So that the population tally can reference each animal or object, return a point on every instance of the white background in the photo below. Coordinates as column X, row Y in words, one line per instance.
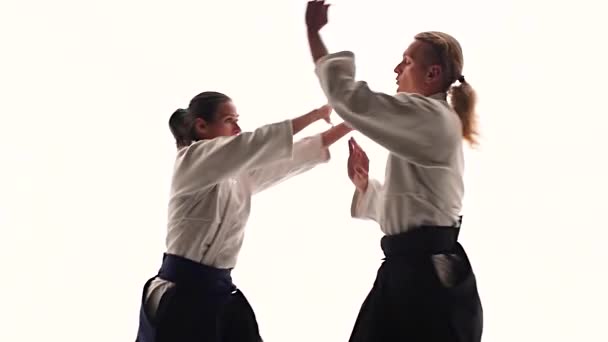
column 86, row 90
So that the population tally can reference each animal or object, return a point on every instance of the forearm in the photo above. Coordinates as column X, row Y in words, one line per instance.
column 303, row 121
column 307, row 153
column 317, row 47
column 334, row 134
column 211, row 161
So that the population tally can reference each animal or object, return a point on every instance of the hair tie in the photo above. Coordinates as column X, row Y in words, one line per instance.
column 461, row 79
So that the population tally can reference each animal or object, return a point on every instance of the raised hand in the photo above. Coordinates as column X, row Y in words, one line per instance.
column 324, row 113
column 316, row 15
column 358, row 165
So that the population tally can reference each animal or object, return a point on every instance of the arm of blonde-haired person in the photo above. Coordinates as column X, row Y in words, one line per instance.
column 307, row 153
column 408, row 125
column 208, row 162
column 365, row 202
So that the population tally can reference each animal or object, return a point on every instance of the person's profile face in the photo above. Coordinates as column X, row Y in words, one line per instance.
column 225, row 122
column 415, row 72
column 409, row 71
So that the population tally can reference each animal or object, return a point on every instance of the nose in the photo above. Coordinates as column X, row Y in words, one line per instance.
column 237, row 129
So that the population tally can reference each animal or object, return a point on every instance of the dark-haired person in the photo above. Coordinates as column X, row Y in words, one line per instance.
column 217, row 170
column 425, row 289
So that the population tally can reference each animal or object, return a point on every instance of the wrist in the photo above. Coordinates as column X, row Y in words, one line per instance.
column 313, row 116
column 312, row 30
column 363, row 187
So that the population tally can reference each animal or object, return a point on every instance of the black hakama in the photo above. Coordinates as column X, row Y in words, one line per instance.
column 408, row 301
column 203, row 305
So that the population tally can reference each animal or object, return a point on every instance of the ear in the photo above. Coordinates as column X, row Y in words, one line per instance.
column 433, row 73
column 200, row 128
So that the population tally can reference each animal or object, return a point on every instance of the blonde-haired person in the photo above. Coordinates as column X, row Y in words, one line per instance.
column 425, row 289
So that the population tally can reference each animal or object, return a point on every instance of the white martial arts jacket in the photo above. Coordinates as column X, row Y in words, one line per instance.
column 213, row 183
column 424, row 172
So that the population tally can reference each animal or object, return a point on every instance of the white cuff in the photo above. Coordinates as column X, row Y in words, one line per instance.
column 363, row 206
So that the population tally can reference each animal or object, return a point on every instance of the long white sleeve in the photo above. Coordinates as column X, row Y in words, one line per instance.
column 367, row 205
column 208, row 162
column 409, row 125
column 307, row 153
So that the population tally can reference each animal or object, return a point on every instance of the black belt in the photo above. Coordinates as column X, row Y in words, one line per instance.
column 421, row 240
column 185, row 272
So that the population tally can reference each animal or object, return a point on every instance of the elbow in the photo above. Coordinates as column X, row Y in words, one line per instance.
column 356, row 98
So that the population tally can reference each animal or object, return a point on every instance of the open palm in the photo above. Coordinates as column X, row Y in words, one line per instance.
column 358, row 165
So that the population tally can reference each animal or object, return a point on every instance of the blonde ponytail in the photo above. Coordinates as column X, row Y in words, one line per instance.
column 463, row 99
